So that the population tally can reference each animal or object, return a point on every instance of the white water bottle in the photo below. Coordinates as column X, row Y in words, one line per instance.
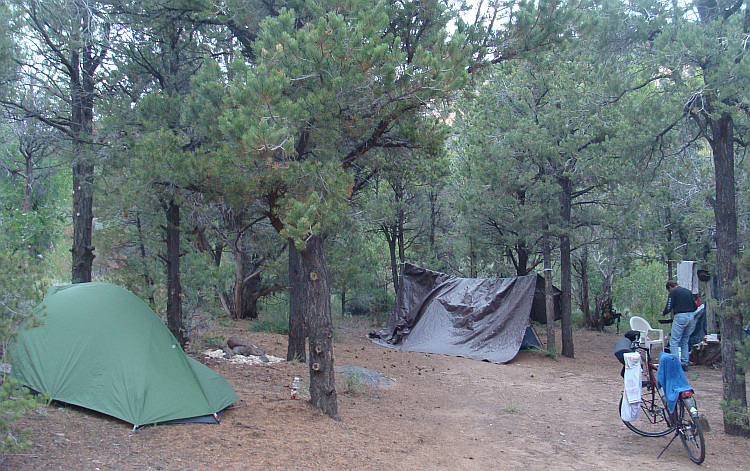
column 295, row 388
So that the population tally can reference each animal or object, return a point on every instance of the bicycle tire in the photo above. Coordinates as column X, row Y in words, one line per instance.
column 690, row 430
column 653, row 420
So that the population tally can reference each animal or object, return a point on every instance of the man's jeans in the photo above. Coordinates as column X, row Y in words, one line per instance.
column 682, row 328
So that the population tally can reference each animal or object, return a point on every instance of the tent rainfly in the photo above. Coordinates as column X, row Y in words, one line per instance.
column 482, row 319
column 100, row 347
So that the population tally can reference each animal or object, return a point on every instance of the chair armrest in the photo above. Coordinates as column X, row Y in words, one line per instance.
column 659, row 332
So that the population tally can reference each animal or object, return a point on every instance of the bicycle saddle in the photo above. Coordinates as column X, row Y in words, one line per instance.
column 632, row 335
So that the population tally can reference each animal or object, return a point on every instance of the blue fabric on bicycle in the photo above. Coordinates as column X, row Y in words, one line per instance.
column 671, row 379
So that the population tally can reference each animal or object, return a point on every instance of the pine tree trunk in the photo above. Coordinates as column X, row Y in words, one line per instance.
column 297, row 311
column 725, row 211
column 400, row 237
column 250, row 295
column 82, row 65
column 28, row 187
column 147, row 280
column 565, row 275
column 242, row 300
column 602, row 301
column 343, row 301
column 83, row 221
column 583, row 272
column 174, row 286
column 522, row 263
column 434, row 217
column 712, row 324
column 390, row 237
column 237, row 288
column 566, row 286
column 314, row 284
column 548, row 297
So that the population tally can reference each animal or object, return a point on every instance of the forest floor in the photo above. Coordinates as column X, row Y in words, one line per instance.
column 443, row 413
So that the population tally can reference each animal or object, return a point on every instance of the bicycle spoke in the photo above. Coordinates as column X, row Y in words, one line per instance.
column 690, row 431
column 653, row 420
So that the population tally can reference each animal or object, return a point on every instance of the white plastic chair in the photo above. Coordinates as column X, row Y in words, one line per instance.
column 647, row 339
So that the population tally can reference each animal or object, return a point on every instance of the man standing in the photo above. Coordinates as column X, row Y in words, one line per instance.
column 681, row 302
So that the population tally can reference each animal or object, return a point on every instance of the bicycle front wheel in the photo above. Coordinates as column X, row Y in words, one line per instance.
column 689, row 429
column 653, row 418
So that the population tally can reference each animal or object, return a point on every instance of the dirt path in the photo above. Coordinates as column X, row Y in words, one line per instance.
column 444, row 413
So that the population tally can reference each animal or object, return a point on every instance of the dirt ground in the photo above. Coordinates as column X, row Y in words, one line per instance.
column 444, row 413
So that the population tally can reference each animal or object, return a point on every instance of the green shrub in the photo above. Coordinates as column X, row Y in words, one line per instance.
column 274, row 322
column 210, row 343
column 353, row 385
column 641, row 292
column 14, row 401
column 21, row 287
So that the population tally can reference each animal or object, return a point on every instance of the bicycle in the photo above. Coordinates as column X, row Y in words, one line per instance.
column 655, row 420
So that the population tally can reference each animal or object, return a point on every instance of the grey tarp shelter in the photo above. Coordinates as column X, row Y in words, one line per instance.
column 100, row 347
column 477, row 318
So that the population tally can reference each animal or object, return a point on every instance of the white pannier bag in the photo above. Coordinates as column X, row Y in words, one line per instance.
column 631, row 404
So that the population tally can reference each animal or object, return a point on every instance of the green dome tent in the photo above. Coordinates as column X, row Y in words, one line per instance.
column 100, row 347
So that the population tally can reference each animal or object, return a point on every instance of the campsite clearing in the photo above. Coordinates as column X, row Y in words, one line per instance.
column 443, row 413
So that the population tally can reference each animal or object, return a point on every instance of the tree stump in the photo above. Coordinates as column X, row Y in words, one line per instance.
column 706, row 353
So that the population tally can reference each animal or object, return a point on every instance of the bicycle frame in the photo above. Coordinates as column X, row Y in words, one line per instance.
column 653, row 385
column 653, row 406
column 651, row 371
column 657, row 420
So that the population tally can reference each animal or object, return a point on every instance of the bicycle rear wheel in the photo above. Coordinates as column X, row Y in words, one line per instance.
column 689, row 429
column 653, row 419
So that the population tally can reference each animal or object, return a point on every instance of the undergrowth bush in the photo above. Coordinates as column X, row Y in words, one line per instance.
column 641, row 292
column 21, row 287
column 273, row 317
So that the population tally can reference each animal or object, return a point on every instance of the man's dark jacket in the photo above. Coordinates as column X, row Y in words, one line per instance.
column 680, row 300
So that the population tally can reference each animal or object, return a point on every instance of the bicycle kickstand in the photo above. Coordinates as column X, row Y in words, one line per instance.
column 670, row 442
